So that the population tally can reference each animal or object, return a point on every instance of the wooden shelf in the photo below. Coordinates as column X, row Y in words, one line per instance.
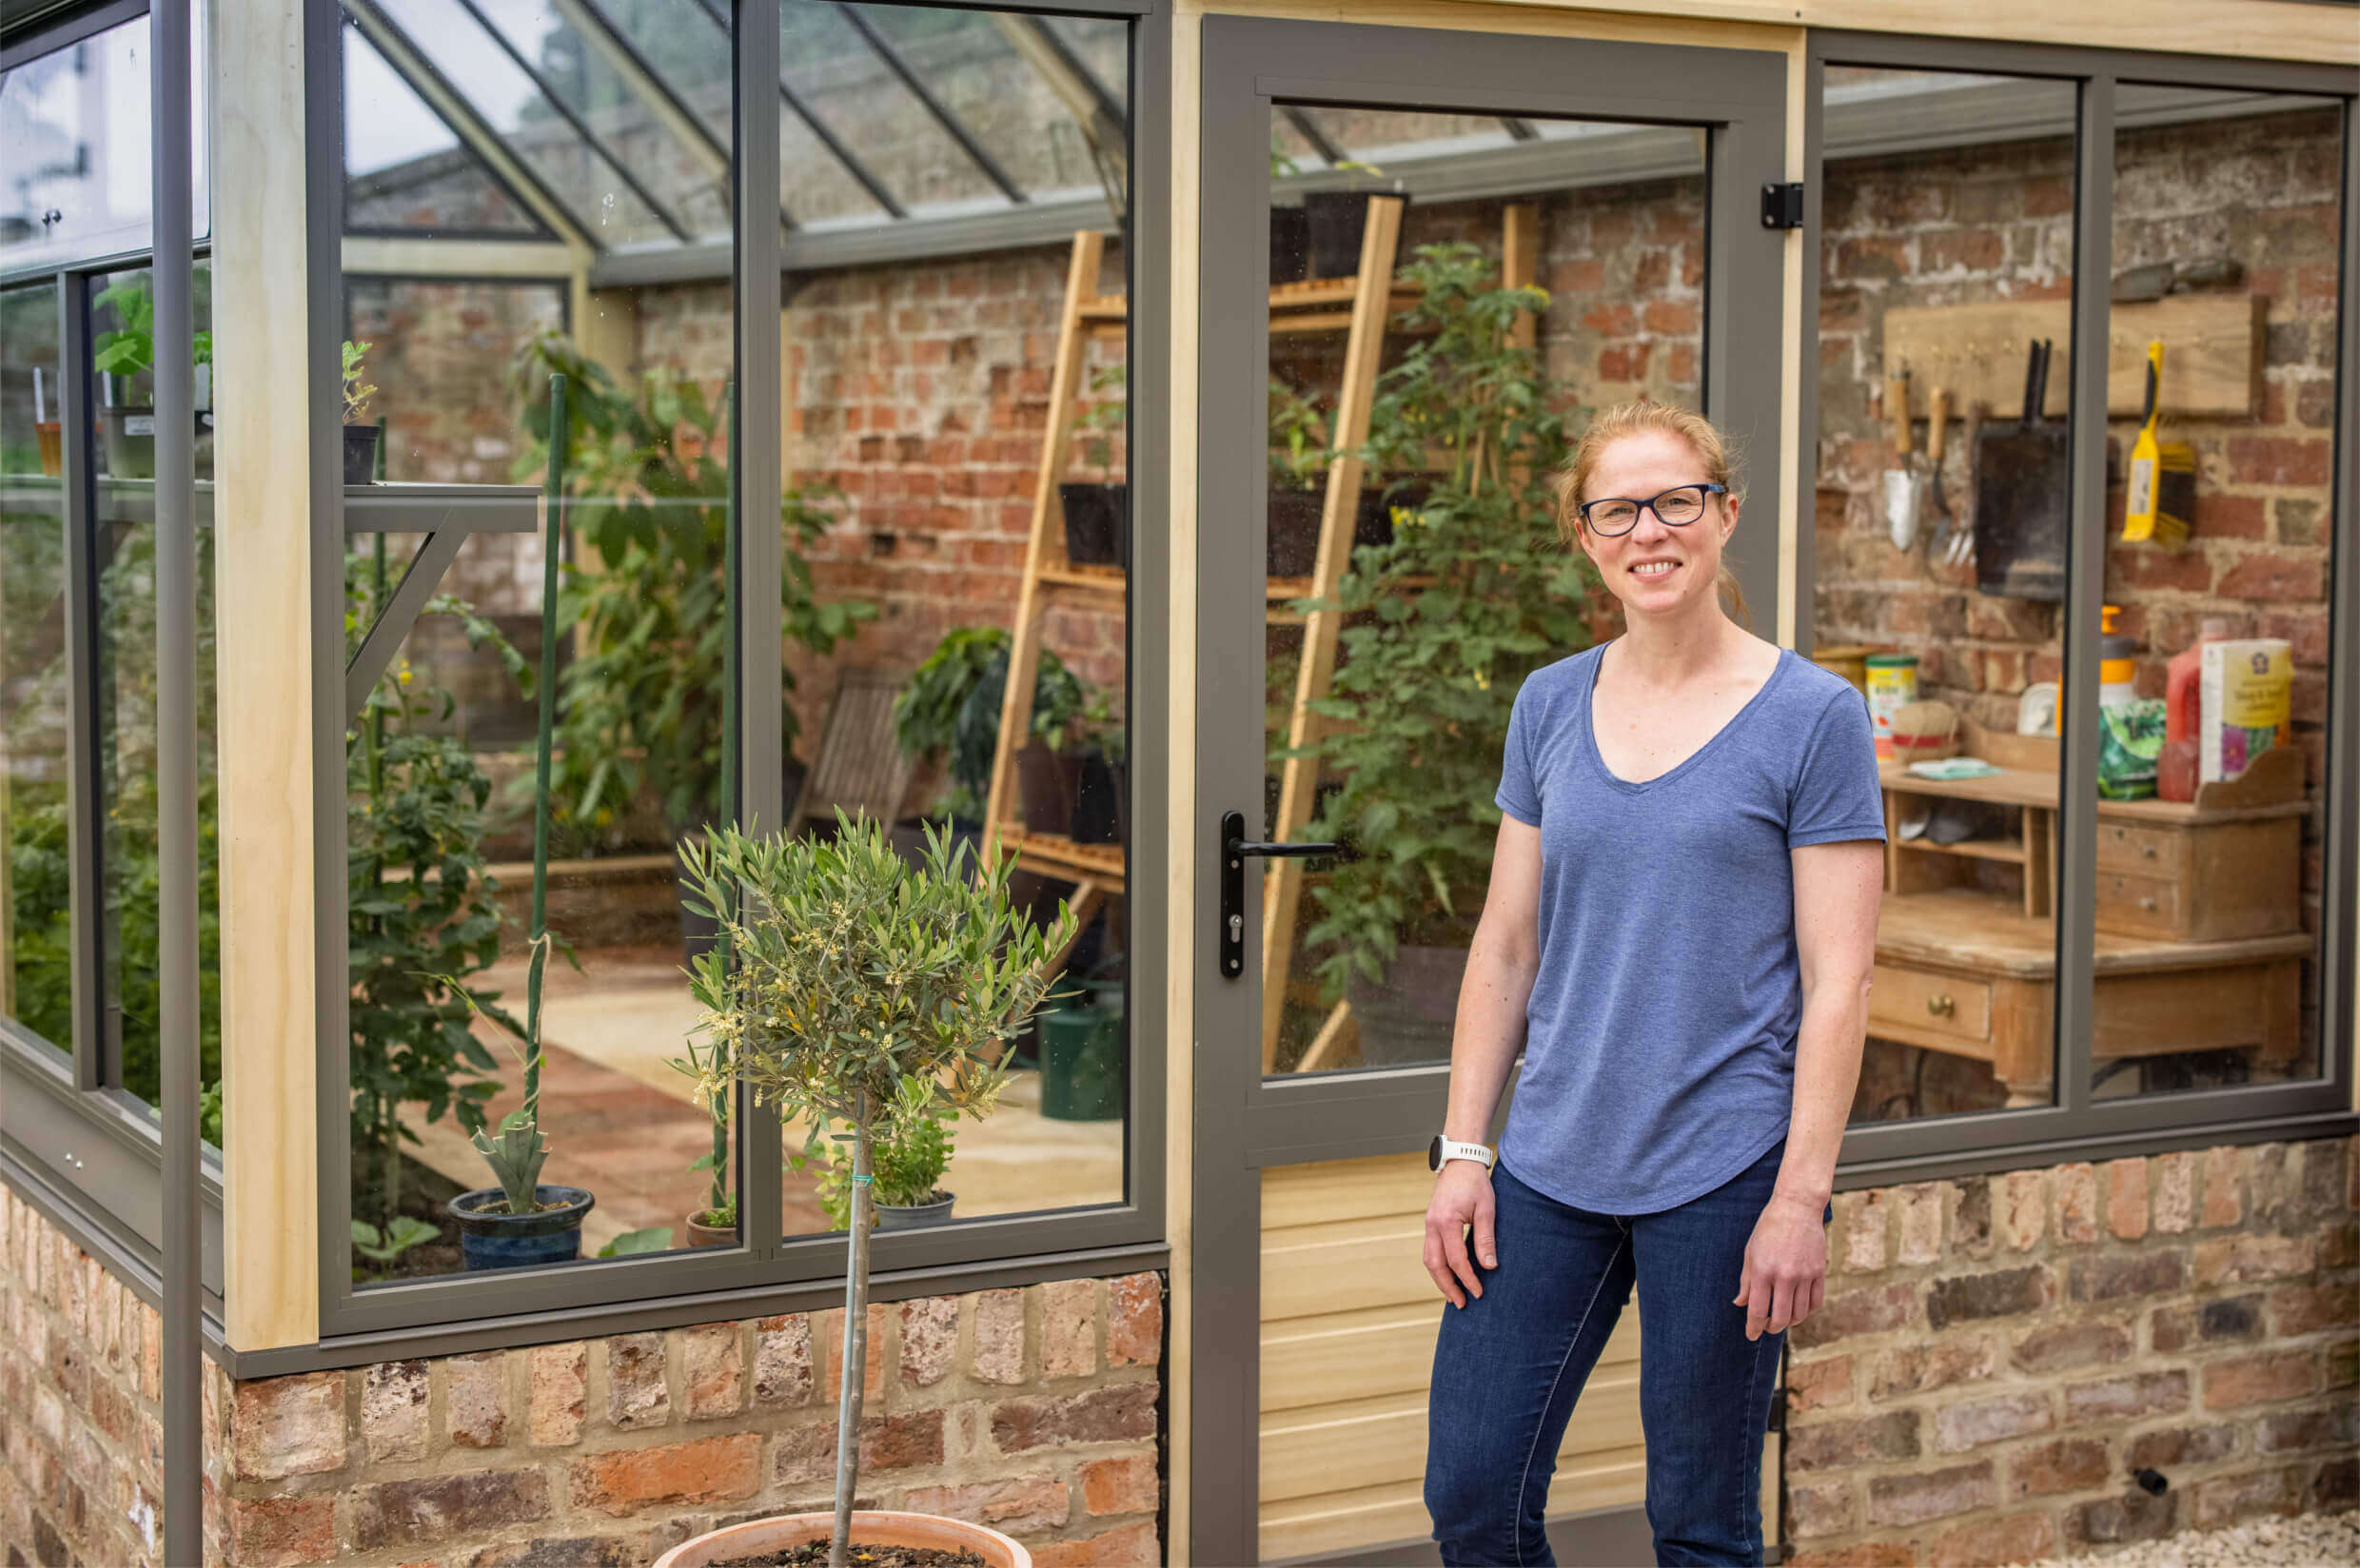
column 1973, row 848
column 1054, row 854
column 1957, row 927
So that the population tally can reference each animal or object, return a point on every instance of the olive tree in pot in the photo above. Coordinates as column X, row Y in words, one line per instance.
column 1442, row 624
column 863, row 991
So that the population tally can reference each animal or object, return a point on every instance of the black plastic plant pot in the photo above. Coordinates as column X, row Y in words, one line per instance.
column 1046, row 786
column 1290, row 245
column 915, row 1216
column 1294, row 545
column 1408, row 1016
column 1338, row 220
column 1097, row 524
column 360, row 454
column 1097, row 798
column 490, row 1237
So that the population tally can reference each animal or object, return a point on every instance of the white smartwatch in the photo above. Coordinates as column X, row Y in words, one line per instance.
column 1443, row 1150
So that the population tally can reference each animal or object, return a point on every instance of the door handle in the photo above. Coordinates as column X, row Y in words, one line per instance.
column 1235, row 846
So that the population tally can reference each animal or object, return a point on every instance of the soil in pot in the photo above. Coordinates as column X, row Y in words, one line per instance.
column 1046, row 782
column 701, row 1234
column 1407, row 1016
column 867, row 1556
column 1290, row 245
column 1097, row 524
column 360, row 454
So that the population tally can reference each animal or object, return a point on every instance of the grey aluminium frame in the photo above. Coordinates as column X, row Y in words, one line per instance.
column 1251, row 67
column 422, row 1315
column 2076, row 1125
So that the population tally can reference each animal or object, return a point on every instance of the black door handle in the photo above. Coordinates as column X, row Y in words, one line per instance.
column 1235, row 846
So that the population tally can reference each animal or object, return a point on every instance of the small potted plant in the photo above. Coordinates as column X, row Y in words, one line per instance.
column 1097, row 516
column 524, row 1222
column 861, row 993
column 1049, row 767
column 1101, row 779
column 360, row 437
column 912, row 1150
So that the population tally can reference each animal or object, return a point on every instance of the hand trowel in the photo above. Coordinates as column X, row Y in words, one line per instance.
column 1903, row 484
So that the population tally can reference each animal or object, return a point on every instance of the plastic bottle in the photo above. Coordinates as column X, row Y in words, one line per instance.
column 2176, row 769
column 2117, row 662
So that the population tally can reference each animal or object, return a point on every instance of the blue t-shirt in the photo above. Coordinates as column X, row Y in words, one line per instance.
column 1659, row 1057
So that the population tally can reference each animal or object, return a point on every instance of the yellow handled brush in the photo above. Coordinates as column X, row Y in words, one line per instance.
column 2162, row 498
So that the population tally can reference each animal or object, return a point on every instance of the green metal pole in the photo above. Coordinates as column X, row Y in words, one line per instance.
column 553, row 493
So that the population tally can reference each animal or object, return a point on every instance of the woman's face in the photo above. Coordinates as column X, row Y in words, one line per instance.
column 1655, row 569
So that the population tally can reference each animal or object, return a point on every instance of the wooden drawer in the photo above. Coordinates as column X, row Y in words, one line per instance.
column 2138, row 906
column 2140, row 851
column 1923, row 999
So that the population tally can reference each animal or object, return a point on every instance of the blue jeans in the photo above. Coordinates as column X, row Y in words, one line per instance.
column 1509, row 1365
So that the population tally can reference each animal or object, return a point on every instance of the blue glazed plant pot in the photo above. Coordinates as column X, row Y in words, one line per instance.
column 501, row 1239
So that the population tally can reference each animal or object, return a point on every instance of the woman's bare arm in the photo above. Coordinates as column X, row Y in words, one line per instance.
column 1500, row 969
column 1837, row 889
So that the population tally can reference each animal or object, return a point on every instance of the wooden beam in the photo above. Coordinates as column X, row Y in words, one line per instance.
column 426, row 257
column 264, row 566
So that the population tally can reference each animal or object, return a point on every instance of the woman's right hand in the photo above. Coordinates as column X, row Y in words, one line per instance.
column 1462, row 1201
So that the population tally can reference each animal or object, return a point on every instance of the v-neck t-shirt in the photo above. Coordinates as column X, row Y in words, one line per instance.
column 1660, row 1044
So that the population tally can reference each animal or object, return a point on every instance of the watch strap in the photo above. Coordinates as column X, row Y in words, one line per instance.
column 1448, row 1149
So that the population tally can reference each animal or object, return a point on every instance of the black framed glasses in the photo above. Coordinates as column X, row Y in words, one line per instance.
column 1614, row 516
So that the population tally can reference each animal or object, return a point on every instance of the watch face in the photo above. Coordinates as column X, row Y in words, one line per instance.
column 1434, row 1153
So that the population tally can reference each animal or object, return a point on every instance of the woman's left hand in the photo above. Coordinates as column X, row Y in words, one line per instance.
column 1785, row 1274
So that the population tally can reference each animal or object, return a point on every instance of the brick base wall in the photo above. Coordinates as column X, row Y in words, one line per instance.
column 1997, row 1357
column 1033, row 1410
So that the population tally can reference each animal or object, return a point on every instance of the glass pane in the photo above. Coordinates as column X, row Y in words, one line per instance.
column 2213, row 779
column 80, row 162
column 36, row 977
column 851, row 88
column 124, row 552
column 919, row 408
column 442, row 792
column 1038, row 127
column 589, row 83
column 1940, row 556
column 527, row 125
column 442, row 356
column 1362, row 961
column 405, row 169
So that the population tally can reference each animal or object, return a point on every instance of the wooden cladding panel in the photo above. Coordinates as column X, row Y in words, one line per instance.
column 2212, row 353
column 1348, row 1320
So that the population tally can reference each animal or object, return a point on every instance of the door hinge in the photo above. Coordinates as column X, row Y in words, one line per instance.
column 1781, row 205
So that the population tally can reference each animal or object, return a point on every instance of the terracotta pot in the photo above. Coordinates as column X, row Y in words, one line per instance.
column 701, row 1234
column 880, row 1528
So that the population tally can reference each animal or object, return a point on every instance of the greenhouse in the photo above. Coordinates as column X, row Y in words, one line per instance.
column 1146, row 414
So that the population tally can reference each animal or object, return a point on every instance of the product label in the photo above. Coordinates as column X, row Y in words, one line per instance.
column 139, row 424
column 2142, row 491
column 2256, row 691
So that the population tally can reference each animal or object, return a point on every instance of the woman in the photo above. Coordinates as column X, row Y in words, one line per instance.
column 1677, row 936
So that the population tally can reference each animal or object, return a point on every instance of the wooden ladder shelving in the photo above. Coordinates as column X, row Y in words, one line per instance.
column 1361, row 306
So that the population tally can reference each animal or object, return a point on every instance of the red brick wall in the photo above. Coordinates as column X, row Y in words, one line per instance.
column 1998, row 1357
column 1033, row 1410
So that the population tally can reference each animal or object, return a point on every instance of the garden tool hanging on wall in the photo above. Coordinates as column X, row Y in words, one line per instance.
column 1905, row 483
column 2162, row 492
column 1938, row 432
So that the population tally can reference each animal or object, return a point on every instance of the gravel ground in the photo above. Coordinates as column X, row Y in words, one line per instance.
column 2317, row 1539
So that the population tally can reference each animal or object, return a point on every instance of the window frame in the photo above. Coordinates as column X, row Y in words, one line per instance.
column 428, row 1311
column 2077, row 1124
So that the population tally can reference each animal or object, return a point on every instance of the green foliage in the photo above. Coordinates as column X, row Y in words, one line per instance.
column 646, row 591
column 651, row 1239
column 390, row 1242
column 1444, row 624
column 357, row 390
column 1298, row 451
column 424, row 911
column 131, row 346
column 516, row 1153
column 913, row 1149
column 857, row 975
column 952, row 703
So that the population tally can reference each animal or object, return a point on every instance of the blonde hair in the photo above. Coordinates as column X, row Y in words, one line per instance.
column 1636, row 417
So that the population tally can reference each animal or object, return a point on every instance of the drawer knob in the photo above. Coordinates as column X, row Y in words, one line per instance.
column 1941, row 1006
column 2148, row 849
column 2147, row 904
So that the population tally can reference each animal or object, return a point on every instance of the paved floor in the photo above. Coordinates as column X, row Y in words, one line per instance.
column 620, row 1120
